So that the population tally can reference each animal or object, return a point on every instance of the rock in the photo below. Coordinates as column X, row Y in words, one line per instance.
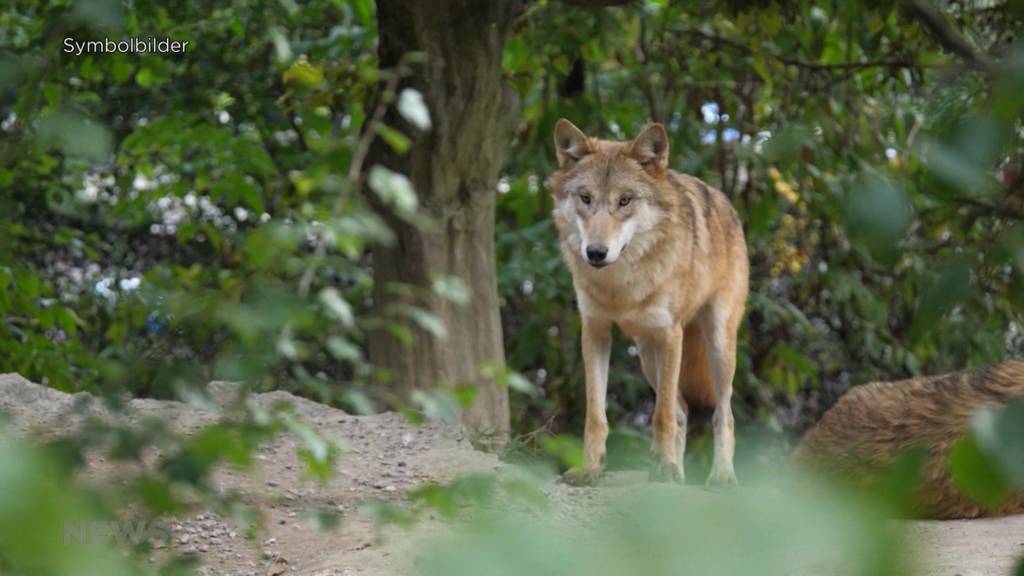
column 278, row 567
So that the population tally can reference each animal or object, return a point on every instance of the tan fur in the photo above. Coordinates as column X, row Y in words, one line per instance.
column 695, row 381
column 675, row 281
column 873, row 424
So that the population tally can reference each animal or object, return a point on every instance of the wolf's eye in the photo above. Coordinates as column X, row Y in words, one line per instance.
column 624, row 201
column 585, row 198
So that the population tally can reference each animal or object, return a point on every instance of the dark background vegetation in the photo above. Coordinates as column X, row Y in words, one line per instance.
column 291, row 200
column 163, row 214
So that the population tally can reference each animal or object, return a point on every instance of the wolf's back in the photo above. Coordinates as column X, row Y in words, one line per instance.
column 873, row 424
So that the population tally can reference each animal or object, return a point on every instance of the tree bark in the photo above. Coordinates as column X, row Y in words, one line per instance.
column 454, row 168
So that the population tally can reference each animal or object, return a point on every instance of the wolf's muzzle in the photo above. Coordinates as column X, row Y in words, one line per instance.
column 596, row 255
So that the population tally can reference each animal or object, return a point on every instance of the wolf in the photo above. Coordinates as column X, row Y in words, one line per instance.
column 663, row 256
column 873, row 424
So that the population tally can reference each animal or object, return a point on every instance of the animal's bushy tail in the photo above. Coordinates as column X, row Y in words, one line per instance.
column 695, row 381
column 873, row 424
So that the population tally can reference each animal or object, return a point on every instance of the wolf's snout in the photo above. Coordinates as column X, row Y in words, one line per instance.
column 596, row 255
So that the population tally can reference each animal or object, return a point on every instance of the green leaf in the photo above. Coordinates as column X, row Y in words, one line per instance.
column 566, row 449
column 145, row 77
column 157, row 495
column 323, row 520
column 399, row 142
column 440, row 404
column 336, row 305
column 787, row 143
column 939, row 295
column 282, row 48
column 302, row 72
column 317, row 452
column 102, row 14
column 999, row 434
column 451, row 288
column 386, row 513
column 364, row 9
column 977, row 474
column 878, row 213
column 413, row 108
column 357, row 401
column 394, row 189
column 75, row 135
column 342, row 349
column 426, row 320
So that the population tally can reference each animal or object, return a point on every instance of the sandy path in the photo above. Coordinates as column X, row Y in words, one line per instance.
column 983, row 547
column 384, row 457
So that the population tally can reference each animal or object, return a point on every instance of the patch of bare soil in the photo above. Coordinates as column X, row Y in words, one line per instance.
column 384, row 457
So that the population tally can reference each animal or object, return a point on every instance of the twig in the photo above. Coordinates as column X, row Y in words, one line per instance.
column 529, row 438
column 355, row 170
column 992, row 210
column 817, row 66
column 947, row 35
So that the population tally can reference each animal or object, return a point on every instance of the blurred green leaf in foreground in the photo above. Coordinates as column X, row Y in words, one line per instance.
column 791, row 527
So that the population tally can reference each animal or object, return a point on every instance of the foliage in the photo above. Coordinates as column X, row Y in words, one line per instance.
column 877, row 176
column 170, row 220
column 173, row 219
column 166, row 220
column 657, row 530
column 154, row 205
column 988, row 464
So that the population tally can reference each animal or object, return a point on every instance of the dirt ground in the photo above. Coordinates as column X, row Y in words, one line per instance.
column 383, row 458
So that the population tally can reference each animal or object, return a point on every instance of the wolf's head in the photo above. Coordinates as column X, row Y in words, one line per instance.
column 607, row 193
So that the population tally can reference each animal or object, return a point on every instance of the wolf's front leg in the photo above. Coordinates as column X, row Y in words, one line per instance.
column 667, row 464
column 597, row 348
column 720, row 333
column 649, row 365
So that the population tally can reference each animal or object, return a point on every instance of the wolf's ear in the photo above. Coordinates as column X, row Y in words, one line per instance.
column 571, row 144
column 650, row 147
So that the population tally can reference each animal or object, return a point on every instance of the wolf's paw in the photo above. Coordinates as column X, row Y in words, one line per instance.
column 582, row 476
column 721, row 478
column 663, row 471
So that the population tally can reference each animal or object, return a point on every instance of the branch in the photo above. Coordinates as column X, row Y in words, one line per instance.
column 947, row 35
column 355, row 172
column 997, row 211
column 820, row 66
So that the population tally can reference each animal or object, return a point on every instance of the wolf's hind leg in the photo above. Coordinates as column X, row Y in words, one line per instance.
column 719, row 330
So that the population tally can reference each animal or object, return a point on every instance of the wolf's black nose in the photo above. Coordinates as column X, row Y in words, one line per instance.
column 596, row 253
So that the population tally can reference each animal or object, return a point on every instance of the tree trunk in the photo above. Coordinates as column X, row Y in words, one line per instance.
column 454, row 168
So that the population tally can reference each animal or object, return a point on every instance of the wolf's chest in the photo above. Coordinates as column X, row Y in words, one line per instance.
column 630, row 314
column 645, row 320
